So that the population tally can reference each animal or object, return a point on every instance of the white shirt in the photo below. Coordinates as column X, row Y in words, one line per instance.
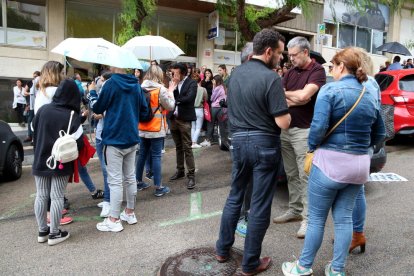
column 180, row 84
column 44, row 97
column 18, row 96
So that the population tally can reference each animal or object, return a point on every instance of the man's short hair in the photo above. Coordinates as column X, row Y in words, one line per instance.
column 266, row 38
column 396, row 59
column 181, row 66
column 246, row 52
column 300, row 42
column 410, row 59
column 37, row 73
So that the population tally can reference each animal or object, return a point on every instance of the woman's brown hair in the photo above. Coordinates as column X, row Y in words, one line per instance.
column 355, row 61
column 50, row 74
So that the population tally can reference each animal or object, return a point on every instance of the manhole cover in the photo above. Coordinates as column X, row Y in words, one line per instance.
column 200, row 261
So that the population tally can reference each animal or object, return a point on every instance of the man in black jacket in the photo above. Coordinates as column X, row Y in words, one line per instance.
column 185, row 91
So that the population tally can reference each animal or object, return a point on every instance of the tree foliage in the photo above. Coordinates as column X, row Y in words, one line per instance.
column 134, row 15
column 248, row 19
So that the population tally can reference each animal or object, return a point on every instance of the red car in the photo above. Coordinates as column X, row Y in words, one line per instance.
column 397, row 90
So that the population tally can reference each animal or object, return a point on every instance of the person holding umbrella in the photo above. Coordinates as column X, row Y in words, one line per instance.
column 396, row 65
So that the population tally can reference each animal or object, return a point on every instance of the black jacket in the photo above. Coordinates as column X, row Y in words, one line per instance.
column 49, row 120
column 184, row 101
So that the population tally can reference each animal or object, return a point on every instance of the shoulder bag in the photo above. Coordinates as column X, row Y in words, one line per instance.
column 309, row 155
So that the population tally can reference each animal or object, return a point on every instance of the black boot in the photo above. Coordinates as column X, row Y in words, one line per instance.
column 191, row 183
column 177, row 175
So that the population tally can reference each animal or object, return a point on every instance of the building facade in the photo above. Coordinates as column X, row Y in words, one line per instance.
column 29, row 29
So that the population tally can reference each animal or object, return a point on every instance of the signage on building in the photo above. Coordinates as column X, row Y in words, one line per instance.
column 372, row 16
column 321, row 29
column 224, row 57
column 213, row 22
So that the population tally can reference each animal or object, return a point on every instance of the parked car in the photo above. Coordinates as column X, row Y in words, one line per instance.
column 397, row 90
column 11, row 153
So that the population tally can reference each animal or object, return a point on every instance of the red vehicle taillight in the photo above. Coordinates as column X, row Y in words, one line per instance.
column 399, row 99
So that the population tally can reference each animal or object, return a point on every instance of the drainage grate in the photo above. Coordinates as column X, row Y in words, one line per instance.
column 200, row 261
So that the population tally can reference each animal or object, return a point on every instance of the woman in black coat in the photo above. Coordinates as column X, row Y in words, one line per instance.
column 51, row 183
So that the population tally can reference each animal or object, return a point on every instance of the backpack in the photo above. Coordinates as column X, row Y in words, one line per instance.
column 151, row 112
column 64, row 149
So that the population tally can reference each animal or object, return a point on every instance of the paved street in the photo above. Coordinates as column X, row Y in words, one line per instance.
column 185, row 219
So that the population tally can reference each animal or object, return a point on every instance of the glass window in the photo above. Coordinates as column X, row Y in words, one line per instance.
column 90, row 21
column 26, row 23
column 377, row 40
column 228, row 38
column 1, row 24
column 384, row 81
column 182, row 31
column 407, row 83
column 346, row 36
column 26, row 15
column 364, row 39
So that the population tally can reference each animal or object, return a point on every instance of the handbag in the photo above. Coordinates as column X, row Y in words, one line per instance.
column 207, row 114
column 309, row 155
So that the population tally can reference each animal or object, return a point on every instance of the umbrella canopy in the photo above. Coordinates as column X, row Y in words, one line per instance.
column 394, row 48
column 97, row 50
column 318, row 57
column 152, row 47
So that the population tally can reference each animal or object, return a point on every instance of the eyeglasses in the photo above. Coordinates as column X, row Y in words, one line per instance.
column 294, row 55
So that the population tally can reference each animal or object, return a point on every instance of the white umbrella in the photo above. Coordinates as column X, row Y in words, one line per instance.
column 97, row 50
column 152, row 47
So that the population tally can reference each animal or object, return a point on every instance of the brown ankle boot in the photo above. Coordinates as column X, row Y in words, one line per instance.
column 358, row 239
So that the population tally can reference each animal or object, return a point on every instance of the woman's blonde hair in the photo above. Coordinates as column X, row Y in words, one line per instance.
column 155, row 74
column 355, row 61
column 50, row 74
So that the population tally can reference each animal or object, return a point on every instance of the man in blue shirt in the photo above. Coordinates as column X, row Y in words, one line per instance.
column 395, row 64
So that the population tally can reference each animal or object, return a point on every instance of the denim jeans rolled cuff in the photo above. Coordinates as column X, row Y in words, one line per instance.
column 150, row 147
column 325, row 194
column 256, row 154
column 100, row 153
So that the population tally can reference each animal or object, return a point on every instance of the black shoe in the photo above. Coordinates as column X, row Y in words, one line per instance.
column 177, row 175
column 43, row 236
column 58, row 238
column 191, row 183
column 98, row 194
column 66, row 204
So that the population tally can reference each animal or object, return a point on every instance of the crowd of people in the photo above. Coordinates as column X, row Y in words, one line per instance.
column 397, row 65
column 276, row 115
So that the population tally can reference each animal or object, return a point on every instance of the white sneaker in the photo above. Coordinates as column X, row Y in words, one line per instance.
column 108, row 226
column 130, row 218
column 195, row 146
column 302, row 230
column 206, row 143
column 162, row 151
column 100, row 204
column 106, row 207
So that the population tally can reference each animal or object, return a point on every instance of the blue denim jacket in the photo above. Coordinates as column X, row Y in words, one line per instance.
column 360, row 130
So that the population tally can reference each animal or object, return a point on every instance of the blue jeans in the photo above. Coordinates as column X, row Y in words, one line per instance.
column 99, row 152
column 324, row 194
column 86, row 179
column 151, row 146
column 359, row 212
column 256, row 155
column 29, row 121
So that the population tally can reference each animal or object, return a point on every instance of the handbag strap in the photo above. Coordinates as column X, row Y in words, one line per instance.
column 344, row 117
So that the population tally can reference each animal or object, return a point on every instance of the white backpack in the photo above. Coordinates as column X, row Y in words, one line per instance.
column 64, row 149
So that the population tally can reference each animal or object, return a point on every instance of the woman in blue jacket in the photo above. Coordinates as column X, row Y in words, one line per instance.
column 341, row 162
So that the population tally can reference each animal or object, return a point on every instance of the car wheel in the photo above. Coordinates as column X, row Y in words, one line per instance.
column 220, row 140
column 13, row 165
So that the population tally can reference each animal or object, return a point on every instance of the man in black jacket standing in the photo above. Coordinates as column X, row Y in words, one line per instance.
column 185, row 91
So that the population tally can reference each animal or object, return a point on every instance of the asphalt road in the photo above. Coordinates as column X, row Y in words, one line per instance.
column 186, row 219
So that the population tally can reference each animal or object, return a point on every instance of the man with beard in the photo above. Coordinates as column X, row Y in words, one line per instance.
column 257, row 111
column 301, row 84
